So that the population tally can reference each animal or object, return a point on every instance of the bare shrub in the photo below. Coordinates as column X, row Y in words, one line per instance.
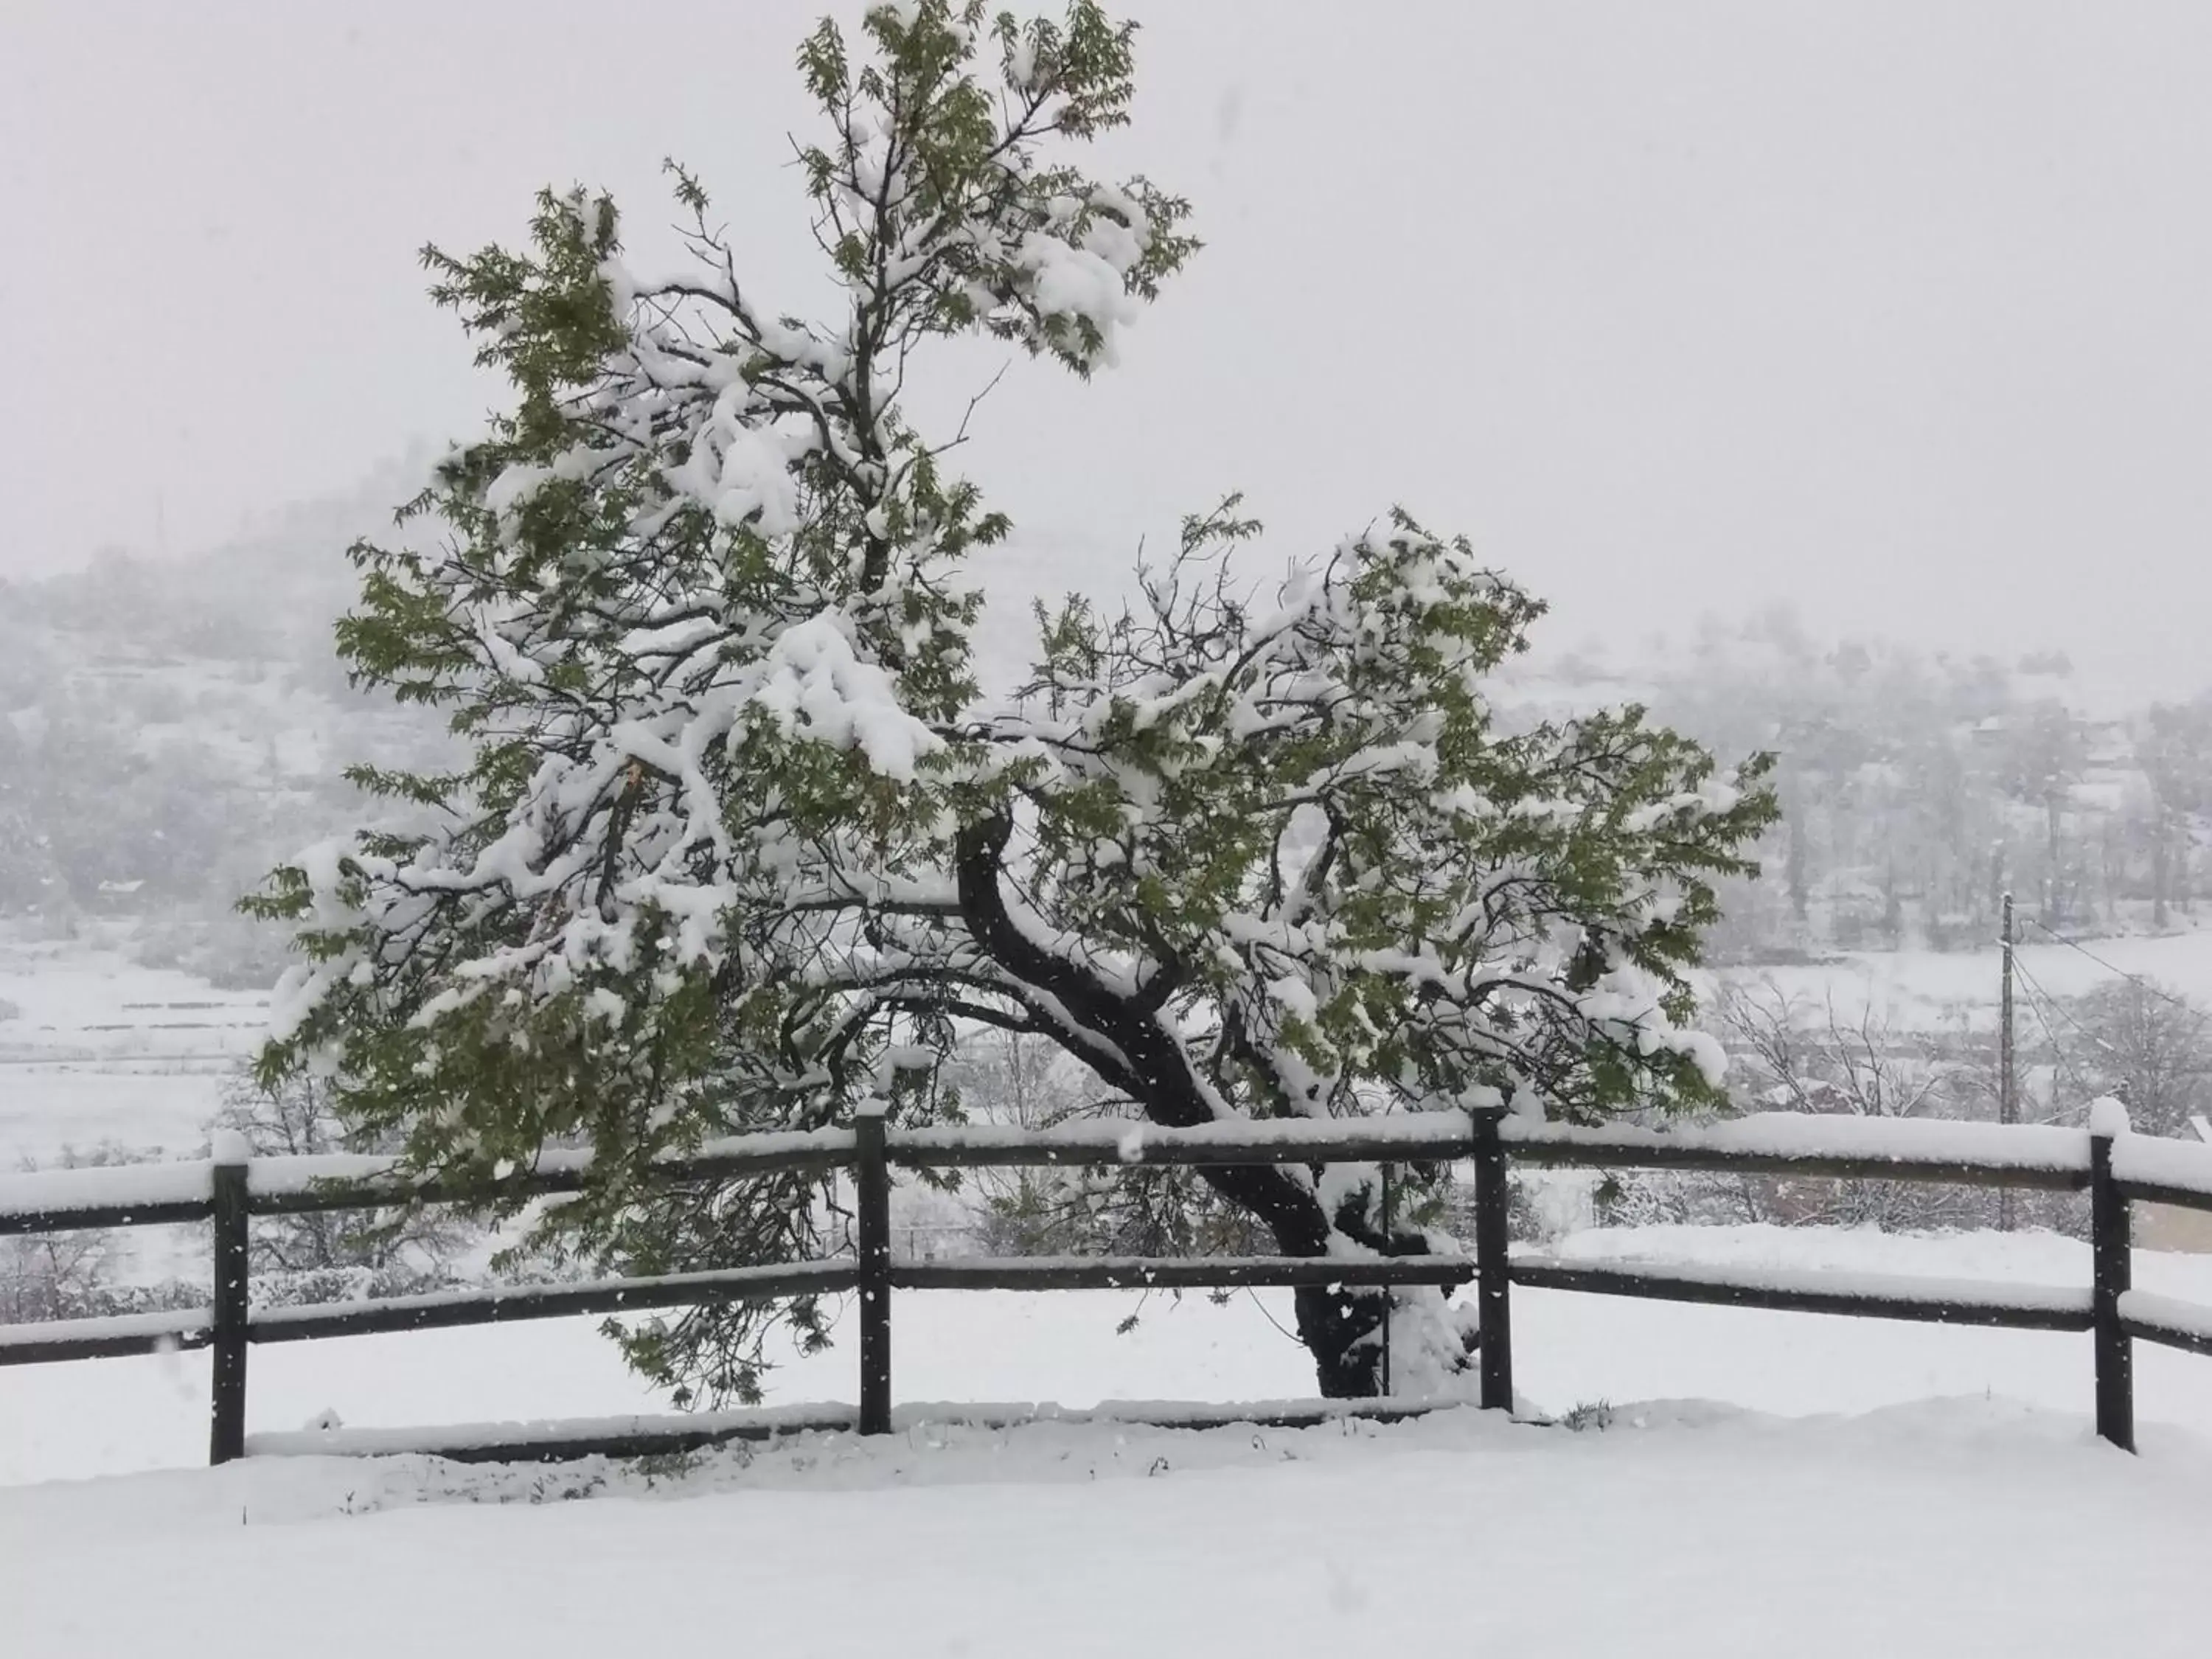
column 335, row 1256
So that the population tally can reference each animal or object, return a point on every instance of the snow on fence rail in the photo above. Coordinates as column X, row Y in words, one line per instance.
column 167, row 1330
column 1894, row 1149
column 2166, row 1319
column 2114, row 1165
column 1806, row 1144
column 2162, row 1171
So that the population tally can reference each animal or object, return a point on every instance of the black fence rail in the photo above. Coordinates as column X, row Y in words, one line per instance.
column 2115, row 1168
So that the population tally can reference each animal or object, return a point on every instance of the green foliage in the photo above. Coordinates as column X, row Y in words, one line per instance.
column 740, row 846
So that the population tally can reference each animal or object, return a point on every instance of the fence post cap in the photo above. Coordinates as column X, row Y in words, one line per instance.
column 874, row 1106
column 230, row 1147
column 2108, row 1117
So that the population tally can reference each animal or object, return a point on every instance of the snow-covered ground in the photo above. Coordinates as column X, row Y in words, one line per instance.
column 94, row 1048
column 1936, row 990
column 1958, row 1528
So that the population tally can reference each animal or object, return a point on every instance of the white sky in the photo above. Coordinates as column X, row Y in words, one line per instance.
column 1901, row 312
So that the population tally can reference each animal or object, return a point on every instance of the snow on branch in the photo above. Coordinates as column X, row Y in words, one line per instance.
column 741, row 843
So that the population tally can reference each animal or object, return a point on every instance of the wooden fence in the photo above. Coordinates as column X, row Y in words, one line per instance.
column 229, row 1194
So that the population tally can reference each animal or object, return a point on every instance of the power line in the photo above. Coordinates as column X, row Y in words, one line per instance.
column 2036, row 998
column 2064, row 1013
column 2149, row 985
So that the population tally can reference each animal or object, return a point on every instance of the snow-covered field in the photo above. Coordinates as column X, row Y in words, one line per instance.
column 1967, row 1529
column 95, row 1048
column 1934, row 990
column 99, row 1048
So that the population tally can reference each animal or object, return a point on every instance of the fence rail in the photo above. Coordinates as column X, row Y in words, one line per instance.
column 2114, row 1167
column 1934, row 1301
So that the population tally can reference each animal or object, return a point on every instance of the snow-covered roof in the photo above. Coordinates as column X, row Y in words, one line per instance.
column 2204, row 1128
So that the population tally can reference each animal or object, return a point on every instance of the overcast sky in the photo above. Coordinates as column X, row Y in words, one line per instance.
column 1900, row 312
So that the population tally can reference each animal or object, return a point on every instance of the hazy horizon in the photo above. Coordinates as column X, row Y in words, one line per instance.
column 1894, row 315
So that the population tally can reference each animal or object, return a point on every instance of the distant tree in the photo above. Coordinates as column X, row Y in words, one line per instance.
column 2176, row 754
column 1028, row 1081
column 45, row 1276
column 384, row 1253
column 741, row 845
column 87, row 1272
column 28, row 876
column 1794, row 1054
column 2044, row 756
column 1797, row 866
column 2147, row 1044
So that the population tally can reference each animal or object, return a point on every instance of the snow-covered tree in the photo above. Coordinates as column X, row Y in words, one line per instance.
column 2146, row 1044
column 742, row 846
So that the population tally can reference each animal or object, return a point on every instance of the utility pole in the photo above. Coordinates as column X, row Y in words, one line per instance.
column 2007, row 1101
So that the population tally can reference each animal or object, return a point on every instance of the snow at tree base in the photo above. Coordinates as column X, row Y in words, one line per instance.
column 743, row 845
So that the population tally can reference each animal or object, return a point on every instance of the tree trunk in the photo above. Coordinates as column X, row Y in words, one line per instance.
column 2161, row 870
column 1799, row 879
column 1342, row 1329
column 1139, row 1057
column 2053, row 917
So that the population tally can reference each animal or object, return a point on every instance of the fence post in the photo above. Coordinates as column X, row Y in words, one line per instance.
column 872, row 1188
column 1389, row 1291
column 227, row 1414
column 2112, row 1268
column 1493, row 1303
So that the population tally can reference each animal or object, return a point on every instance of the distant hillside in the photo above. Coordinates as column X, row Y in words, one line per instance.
column 169, row 731
column 1917, row 789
